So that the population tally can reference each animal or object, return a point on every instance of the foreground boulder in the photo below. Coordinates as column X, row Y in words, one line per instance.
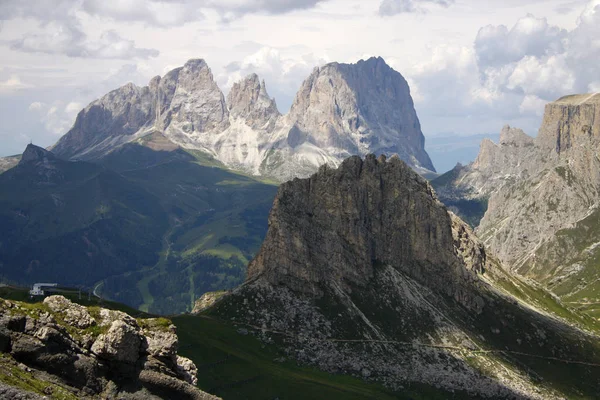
column 95, row 353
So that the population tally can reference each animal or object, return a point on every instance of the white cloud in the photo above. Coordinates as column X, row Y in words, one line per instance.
column 510, row 73
column 533, row 105
column 393, row 7
column 165, row 13
column 283, row 74
column 56, row 117
column 530, row 36
column 73, row 107
column 158, row 13
column 67, row 39
column 13, row 84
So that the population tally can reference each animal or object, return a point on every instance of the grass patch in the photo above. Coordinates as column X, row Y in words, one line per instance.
column 236, row 366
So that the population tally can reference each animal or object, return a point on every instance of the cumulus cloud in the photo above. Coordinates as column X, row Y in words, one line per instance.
column 158, row 13
column 67, row 39
column 169, row 13
column 393, row 7
column 530, row 36
column 510, row 72
column 13, row 84
column 57, row 117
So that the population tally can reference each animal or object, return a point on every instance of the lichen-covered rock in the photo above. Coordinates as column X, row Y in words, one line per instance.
column 129, row 360
column 187, row 370
column 206, row 301
column 122, row 342
column 107, row 317
column 72, row 313
column 162, row 344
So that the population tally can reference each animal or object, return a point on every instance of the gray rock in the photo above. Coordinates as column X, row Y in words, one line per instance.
column 249, row 100
column 122, row 343
column 125, row 362
column 340, row 110
column 73, row 314
column 9, row 392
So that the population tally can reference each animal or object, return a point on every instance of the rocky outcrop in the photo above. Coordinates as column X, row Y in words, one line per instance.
column 206, row 301
column 536, row 188
column 358, row 109
column 364, row 272
column 340, row 110
column 97, row 352
column 352, row 219
column 249, row 100
column 7, row 163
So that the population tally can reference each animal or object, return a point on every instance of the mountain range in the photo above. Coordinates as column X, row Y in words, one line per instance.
column 535, row 201
column 158, row 194
column 364, row 272
column 359, row 269
column 340, row 110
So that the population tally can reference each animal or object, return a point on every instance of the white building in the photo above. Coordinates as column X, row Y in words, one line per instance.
column 38, row 288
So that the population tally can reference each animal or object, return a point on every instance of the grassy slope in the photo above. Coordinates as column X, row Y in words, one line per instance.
column 237, row 366
column 217, row 222
column 230, row 364
column 153, row 229
column 574, row 254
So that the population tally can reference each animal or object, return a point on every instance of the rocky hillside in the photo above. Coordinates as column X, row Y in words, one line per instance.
column 58, row 349
column 536, row 191
column 340, row 110
column 364, row 272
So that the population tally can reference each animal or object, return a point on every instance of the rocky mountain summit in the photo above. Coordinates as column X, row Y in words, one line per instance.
column 535, row 189
column 364, row 272
column 340, row 110
column 80, row 352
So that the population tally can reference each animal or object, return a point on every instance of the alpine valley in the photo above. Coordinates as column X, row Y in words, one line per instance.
column 304, row 255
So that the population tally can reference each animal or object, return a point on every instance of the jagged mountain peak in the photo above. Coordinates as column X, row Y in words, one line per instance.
column 364, row 213
column 249, row 99
column 364, row 271
column 359, row 109
column 195, row 64
column 340, row 110
column 35, row 154
column 515, row 136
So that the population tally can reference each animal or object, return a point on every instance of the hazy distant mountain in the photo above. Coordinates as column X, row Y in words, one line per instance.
column 340, row 110
column 449, row 149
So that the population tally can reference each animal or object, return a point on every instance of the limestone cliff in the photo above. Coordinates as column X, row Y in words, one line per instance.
column 340, row 110
column 351, row 219
column 536, row 188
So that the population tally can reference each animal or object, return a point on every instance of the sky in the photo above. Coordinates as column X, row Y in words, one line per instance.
column 472, row 65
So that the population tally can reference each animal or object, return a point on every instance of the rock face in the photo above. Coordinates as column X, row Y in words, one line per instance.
column 340, row 110
column 104, row 354
column 363, row 271
column 7, row 163
column 354, row 218
column 249, row 100
column 358, row 109
column 535, row 189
